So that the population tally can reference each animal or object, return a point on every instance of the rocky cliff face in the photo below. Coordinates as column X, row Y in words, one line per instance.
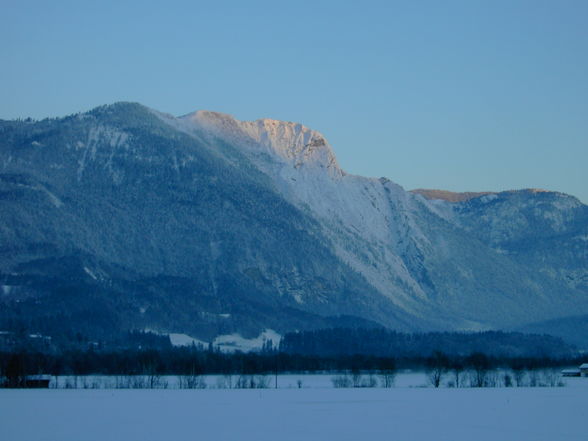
column 126, row 218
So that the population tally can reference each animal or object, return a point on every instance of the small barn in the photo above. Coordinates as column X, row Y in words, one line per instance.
column 584, row 370
column 570, row 373
column 37, row 381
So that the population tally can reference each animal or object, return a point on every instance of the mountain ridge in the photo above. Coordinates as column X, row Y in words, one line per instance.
column 195, row 226
column 452, row 196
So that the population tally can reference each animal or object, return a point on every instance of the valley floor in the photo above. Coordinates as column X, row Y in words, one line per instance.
column 324, row 414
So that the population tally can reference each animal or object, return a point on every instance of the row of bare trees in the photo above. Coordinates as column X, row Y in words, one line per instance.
column 155, row 381
column 476, row 370
column 153, row 369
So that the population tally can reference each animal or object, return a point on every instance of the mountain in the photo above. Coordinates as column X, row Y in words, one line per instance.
column 124, row 218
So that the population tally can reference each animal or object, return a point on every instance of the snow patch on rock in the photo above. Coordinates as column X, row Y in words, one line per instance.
column 369, row 220
column 291, row 143
column 89, row 272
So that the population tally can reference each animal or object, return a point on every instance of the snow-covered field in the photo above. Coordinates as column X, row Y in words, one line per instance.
column 312, row 413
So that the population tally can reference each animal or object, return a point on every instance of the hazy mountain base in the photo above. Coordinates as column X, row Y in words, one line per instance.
column 385, row 343
column 572, row 329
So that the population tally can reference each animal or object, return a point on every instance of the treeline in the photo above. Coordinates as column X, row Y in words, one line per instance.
column 347, row 351
column 325, row 343
column 196, row 361
column 60, row 342
column 383, row 342
column 179, row 361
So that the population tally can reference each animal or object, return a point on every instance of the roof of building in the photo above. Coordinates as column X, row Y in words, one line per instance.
column 38, row 377
column 584, row 366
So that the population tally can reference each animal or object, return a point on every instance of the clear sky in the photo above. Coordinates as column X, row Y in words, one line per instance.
column 459, row 95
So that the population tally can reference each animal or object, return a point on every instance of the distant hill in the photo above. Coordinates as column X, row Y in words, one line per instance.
column 572, row 329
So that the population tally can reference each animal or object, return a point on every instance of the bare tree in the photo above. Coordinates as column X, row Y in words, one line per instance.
column 252, row 382
column 193, row 380
column 518, row 373
column 436, row 368
column 341, row 381
column 370, row 381
column 387, row 372
column 15, row 371
column 551, row 378
column 457, row 368
column 480, row 365
column 356, row 378
column 534, row 379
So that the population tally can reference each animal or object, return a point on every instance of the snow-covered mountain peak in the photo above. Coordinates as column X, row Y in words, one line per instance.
column 291, row 142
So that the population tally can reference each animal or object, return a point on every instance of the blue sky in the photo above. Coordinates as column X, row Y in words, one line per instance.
column 457, row 95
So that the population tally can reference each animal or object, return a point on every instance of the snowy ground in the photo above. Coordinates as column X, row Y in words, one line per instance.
column 401, row 413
